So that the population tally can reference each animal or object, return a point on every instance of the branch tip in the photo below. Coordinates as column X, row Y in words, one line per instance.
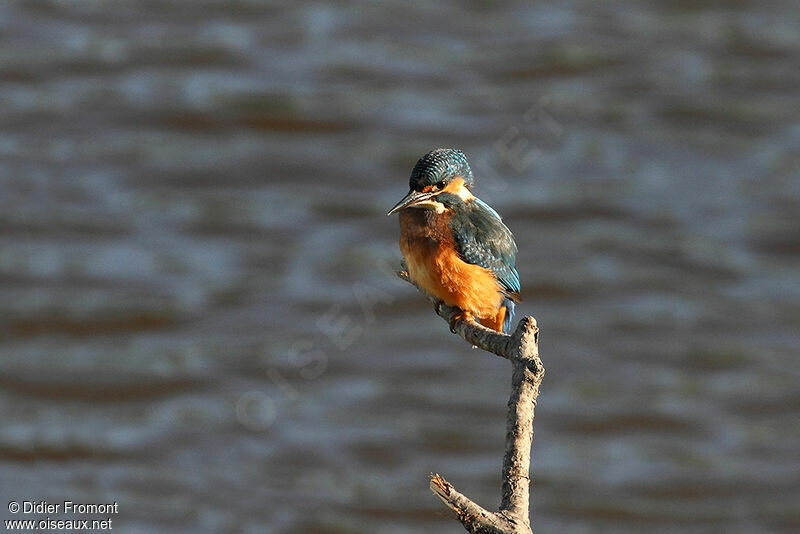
column 439, row 485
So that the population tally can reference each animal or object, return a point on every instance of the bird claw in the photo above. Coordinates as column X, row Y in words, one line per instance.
column 463, row 316
column 453, row 322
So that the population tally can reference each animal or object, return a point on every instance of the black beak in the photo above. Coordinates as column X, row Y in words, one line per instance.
column 409, row 200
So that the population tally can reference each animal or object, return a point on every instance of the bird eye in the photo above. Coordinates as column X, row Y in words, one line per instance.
column 440, row 185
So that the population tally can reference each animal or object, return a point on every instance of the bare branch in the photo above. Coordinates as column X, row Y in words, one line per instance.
column 474, row 518
column 522, row 349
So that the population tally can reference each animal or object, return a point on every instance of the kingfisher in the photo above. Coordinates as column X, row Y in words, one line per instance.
column 456, row 246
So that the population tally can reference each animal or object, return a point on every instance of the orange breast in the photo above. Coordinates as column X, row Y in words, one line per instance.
column 433, row 263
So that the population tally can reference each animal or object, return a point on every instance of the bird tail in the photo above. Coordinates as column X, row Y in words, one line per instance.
column 509, row 304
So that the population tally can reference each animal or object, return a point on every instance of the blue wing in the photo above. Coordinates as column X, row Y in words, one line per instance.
column 482, row 239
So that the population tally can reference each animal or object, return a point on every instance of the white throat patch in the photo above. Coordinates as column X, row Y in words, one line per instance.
column 431, row 205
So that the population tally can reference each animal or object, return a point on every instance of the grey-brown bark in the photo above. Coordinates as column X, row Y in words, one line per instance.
column 522, row 349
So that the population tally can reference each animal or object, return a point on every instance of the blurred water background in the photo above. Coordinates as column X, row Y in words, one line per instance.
column 197, row 311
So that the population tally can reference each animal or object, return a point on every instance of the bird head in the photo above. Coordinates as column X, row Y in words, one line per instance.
column 441, row 171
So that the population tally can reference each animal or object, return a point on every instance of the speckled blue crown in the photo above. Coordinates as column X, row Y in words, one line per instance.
column 440, row 164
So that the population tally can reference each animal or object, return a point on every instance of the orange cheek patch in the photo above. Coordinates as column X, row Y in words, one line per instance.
column 456, row 187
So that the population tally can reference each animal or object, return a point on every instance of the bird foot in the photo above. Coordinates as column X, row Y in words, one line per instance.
column 463, row 316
